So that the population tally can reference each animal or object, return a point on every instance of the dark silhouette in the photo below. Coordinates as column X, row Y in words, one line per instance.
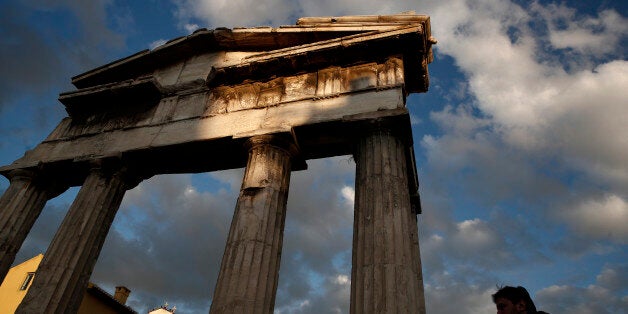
column 514, row 300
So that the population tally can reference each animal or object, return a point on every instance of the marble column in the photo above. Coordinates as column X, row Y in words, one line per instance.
column 386, row 272
column 64, row 272
column 20, row 206
column 249, row 272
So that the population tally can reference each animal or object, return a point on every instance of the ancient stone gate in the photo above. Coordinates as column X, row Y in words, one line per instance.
column 265, row 98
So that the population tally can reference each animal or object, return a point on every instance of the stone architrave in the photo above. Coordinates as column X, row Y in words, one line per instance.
column 20, row 206
column 250, row 266
column 64, row 272
column 386, row 273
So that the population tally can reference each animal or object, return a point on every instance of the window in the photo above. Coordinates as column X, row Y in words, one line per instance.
column 27, row 281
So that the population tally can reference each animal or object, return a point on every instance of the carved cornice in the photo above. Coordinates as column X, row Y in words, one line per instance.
column 314, row 34
column 407, row 42
column 112, row 97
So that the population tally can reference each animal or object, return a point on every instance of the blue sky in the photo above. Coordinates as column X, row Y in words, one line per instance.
column 521, row 148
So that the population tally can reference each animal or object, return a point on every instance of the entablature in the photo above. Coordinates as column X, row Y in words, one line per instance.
column 145, row 102
column 189, row 106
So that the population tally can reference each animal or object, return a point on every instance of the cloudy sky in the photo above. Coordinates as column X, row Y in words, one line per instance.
column 521, row 147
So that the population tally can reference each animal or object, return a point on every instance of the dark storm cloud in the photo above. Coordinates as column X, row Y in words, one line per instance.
column 167, row 243
column 42, row 232
column 29, row 63
column 168, row 239
column 37, row 58
column 317, row 240
column 93, row 19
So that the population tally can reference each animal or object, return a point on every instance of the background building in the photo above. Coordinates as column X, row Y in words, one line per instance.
column 16, row 284
column 164, row 309
column 95, row 299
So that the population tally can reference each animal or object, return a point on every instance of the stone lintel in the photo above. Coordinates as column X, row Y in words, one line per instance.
column 181, row 146
column 315, row 141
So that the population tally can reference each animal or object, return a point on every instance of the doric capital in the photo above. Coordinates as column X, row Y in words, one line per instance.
column 116, row 167
column 388, row 126
column 21, row 174
column 284, row 141
column 51, row 184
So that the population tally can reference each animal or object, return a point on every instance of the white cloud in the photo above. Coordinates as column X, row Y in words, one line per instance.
column 191, row 27
column 605, row 218
column 530, row 104
column 297, row 307
column 348, row 193
column 613, row 277
column 593, row 35
column 156, row 43
column 458, row 297
column 579, row 300
column 590, row 131
column 343, row 280
column 415, row 120
column 475, row 235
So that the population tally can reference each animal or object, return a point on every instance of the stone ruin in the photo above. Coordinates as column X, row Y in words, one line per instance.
column 267, row 99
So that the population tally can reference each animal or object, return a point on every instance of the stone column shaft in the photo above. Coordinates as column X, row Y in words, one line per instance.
column 20, row 206
column 386, row 273
column 64, row 272
column 249, row 272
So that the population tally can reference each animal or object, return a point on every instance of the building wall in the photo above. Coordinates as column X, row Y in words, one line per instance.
column 160, row 311
column 11, row 294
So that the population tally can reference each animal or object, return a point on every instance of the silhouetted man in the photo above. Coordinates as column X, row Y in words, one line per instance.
column 511, row 300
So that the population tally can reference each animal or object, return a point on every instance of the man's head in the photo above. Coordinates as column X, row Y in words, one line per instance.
column 511, row 300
